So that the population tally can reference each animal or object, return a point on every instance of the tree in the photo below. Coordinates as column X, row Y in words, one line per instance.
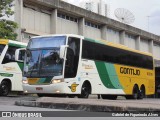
column 7, row 27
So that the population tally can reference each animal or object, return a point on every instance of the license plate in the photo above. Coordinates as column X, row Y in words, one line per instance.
column 39, row 88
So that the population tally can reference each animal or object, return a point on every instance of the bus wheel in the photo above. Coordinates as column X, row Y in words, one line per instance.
column 142, row 92
column 85, row 90
column 135, row 92
column 40, row 95
column 71, row 96
column 4, row 88
column 110, row 97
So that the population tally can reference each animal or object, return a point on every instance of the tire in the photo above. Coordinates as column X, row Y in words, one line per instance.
column 85, row 90
column 110, row 97
column 135, row 93
column 71, row 96
column 40, row 95
column 4, row 88
column 128, row 97
column 142, row 93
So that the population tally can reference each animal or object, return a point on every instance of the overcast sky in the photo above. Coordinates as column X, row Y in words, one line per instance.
column 141, row 10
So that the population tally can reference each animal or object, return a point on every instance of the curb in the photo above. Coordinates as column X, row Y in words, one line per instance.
column 82, row 107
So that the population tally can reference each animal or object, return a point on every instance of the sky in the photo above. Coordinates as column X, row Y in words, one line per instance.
column 146, row 12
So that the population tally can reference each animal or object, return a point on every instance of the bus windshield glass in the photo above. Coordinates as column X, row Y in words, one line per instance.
column 1, row 48
column 42, row 57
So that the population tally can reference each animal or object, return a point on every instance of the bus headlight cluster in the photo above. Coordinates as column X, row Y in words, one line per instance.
column 57, row 81
column 25, row 81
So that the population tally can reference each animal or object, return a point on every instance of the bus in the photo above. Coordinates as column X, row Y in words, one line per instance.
column 74, row 65
column 10, row 69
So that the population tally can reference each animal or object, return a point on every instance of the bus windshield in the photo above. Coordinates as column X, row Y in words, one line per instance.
column 42, row 57
column 1, row 48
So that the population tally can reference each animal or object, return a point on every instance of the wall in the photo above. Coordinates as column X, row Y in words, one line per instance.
column 36, row 22
column 113, row 35
column 130, row 41
column 144, row 45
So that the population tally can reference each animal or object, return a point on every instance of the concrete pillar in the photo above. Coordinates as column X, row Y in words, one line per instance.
column 53, row 27
column 138, row 42
column 122, row 37
column 104, row 32
column 151, row 46
column 19, row 17
column 81, row 26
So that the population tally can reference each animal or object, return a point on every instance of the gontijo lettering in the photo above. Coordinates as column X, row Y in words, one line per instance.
column 129, row 71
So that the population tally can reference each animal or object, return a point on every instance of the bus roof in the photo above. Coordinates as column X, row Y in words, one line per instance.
column 13, row 43
column 120, row 46
column 68, row 35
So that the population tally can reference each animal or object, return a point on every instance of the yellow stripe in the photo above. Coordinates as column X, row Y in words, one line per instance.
column 32, row 80
column 4, row 41
column 124, row 47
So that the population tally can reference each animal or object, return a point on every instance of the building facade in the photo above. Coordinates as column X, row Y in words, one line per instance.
column 96, row 6
column 41, row 17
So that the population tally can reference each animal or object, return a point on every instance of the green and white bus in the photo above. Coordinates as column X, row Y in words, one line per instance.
column 10, row 69
column 77, row 66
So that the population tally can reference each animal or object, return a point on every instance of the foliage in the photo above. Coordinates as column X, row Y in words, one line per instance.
column 7, row 27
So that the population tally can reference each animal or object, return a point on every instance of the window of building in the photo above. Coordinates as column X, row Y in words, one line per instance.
column 87, row 23
column 67, row 17
column 130, row 36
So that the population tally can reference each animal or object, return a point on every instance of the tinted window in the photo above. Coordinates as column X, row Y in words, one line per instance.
column 71, row 66
column 1, row 48
column 10, row 55
column 95, row 51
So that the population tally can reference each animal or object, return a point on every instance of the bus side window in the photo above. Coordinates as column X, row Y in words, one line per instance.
column 21, row 55
column 72, row 57
column 10, row 55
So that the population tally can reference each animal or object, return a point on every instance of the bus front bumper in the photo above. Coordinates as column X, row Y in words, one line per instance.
column 59, row 88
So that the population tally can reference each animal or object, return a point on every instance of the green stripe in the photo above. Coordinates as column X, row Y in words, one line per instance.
column 6, row 75
column 44, row 80
column 21, row 65
column 17, row 45
column 92, row 40
column 113, row 75
column 108, row 75
column 48, row 80
column 89, row 39
column 41, row 80
column 104, row 75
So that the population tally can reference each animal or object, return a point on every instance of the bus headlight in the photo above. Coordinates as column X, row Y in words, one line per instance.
column 57, row 81
column 25, row 81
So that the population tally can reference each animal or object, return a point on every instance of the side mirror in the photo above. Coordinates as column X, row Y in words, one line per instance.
column 62, row 51
column 19, row 55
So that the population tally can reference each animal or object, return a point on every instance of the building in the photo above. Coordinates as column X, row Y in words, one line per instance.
column 97, row 6
column 41, row 17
